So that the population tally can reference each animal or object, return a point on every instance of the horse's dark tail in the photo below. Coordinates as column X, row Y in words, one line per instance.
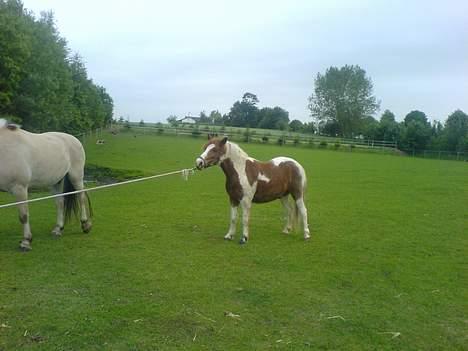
column 71, row 202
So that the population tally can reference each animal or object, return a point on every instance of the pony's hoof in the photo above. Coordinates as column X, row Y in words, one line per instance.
column 228, row 237
column 25, row 246
column 286, row 231
column 86, row 227
column 243, row 240
column 307, row 237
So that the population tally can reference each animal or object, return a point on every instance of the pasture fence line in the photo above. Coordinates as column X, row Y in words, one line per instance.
column 186, row 172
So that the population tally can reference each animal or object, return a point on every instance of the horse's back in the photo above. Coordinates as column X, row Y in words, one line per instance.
column 37, row 159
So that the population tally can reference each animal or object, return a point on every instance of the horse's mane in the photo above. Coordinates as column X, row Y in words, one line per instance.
column 235, row 149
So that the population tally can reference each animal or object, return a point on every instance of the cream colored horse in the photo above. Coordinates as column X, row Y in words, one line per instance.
column 53, row 160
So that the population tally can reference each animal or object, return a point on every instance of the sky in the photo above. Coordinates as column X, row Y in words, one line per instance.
column 162, row 58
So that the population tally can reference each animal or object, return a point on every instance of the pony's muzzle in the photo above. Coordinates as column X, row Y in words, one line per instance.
column 200, row 163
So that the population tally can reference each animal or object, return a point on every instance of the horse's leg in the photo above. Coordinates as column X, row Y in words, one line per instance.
column 59, row 202
column 246, row 204
column 86, row 224
column 287, row 214
column 303, row 213
column 233, row 224
column 21, row 194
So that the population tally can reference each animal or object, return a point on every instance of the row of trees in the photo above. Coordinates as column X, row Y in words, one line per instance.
column 343, row 104
column 245, row 113
column 42, row 85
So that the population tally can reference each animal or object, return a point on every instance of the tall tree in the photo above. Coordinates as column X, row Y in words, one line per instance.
column 343, row 96
column 415, row 131
column 273, row 118
column 456, row 131
column 244, row 113
column 388, row 127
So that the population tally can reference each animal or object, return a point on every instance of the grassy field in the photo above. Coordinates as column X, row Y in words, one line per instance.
column 386, row 268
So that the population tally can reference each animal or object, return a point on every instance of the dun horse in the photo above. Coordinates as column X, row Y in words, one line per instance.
column 53, row 160
column 249, row 180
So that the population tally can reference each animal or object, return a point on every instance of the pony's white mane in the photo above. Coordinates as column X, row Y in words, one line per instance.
column 236, row 152
column 3, row 122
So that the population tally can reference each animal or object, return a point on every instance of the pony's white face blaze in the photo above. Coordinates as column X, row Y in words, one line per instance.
column 213, row 154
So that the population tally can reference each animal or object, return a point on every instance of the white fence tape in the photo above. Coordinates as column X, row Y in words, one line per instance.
column 184, row 172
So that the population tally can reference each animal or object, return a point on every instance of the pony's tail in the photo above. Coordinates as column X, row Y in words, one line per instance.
column 71, row 202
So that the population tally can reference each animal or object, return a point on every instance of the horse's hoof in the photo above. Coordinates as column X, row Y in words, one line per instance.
column 243, row 240
column 25, row 246
column 228, row 237
column 57, row 232
column 86, row 227
column 286, row 231
column 306, row 237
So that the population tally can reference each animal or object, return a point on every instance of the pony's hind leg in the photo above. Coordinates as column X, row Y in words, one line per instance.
column 301, row 208
column 287, row 215
column 59, row 202
column 21, row 194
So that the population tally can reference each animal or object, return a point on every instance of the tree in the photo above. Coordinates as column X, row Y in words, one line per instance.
column 343, row 96
column 456, row 131
column 216, row 117
column 172, row 120
column 42, row 85
column 204, row 118
column 415, row 131
column 296, row 125
column 244, row 113
column 388, row 128
column 369, row 128
column 273, row 118
column 250, row 99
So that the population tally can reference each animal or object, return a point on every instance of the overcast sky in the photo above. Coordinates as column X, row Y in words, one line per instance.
column 158, row 58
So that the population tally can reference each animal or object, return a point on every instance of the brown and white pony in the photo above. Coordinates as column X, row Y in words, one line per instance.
column 53, row 160
column 249, row 180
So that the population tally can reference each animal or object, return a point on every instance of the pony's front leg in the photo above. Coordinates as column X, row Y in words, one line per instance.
column 21, row 194
column 59, row 202
column 232, row 224
column 246, row 204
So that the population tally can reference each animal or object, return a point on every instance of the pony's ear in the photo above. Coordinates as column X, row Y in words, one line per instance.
column 224, row 140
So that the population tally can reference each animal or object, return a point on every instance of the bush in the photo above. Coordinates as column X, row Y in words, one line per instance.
column 196, row 133
column 246, row 135
column 323, row 144
column 265, row 139
column 296, row 141
column 281, row 140
column 337, row 145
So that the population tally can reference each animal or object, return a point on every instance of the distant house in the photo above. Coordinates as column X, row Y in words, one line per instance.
column 189, row 120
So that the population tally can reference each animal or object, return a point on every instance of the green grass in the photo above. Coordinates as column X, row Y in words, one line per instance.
column 388, row 254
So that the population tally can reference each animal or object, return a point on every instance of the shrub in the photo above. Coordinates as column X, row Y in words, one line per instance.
column 246, row 135
column 296, row 141
column 196, row 133
column 265, row 139
column 323, row 144
column 281, row 140
column 337, row 145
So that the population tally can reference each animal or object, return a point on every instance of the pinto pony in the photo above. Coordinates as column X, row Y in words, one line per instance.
column 249, row 180
column 53, row 160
